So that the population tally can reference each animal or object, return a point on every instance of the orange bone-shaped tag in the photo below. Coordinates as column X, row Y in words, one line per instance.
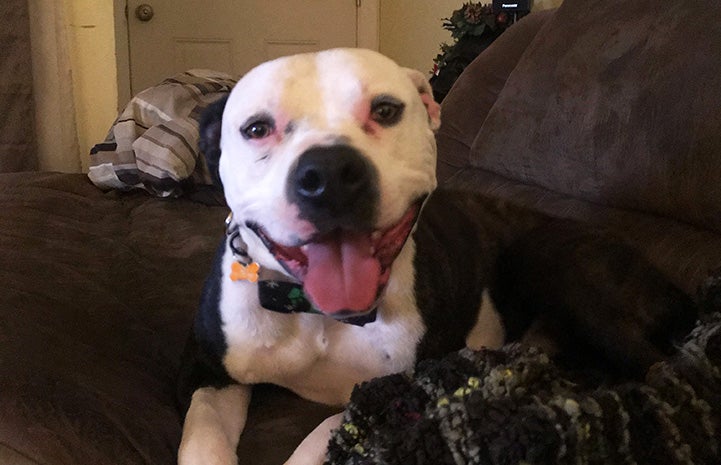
column 240, row 272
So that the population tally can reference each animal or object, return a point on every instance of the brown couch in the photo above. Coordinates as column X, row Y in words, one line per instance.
column 605, row 111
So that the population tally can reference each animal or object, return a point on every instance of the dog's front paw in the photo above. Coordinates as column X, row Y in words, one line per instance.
column 209, row 449
column 213, row 424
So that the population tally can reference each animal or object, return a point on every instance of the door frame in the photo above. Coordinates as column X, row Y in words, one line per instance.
column 367, row 36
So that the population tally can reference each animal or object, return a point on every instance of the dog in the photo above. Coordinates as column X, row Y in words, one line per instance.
column 342, row 261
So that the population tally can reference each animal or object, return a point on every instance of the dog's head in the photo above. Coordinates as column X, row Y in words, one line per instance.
column 325, row 160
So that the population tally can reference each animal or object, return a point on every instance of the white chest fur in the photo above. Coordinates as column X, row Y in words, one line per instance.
column 315, row 356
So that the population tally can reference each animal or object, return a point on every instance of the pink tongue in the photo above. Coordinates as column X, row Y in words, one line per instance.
column 342, row 273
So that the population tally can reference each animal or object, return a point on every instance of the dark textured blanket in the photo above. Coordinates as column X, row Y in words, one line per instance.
column 514, row 406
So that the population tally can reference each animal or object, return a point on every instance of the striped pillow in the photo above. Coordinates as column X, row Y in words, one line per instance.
column 153, row 144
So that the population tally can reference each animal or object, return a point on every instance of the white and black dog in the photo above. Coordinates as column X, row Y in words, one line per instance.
column 327, row 162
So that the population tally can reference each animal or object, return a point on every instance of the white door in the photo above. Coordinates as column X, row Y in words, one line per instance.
column 231, row 35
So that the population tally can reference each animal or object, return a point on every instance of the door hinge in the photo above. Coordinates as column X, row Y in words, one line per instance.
column 358, row 3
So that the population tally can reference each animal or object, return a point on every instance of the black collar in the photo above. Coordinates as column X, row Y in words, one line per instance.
column 276, row 291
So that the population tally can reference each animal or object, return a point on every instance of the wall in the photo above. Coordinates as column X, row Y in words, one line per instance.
column 411, row 31
column 92, row 55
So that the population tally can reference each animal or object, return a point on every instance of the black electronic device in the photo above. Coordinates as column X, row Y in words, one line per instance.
column 511, row 6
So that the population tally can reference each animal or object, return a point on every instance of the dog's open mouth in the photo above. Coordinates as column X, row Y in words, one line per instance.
column 344, row 272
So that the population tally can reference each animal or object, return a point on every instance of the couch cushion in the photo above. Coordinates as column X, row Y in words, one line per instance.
column 98, row 292
column 617, row 103
column 476, row 90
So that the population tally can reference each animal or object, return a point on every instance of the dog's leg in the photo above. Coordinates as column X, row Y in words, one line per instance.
column 213, row 424
column 313, row 448
column 488, row 330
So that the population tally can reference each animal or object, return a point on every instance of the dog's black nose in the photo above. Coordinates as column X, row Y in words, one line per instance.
column 334, row 186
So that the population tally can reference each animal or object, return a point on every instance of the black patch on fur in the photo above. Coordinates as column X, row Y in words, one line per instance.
column 607, row 308
column 458, row 238
column 598, row 298
column 209, row 143
column 202, row 363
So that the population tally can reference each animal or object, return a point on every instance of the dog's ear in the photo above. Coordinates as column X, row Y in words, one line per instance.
column 209, row 143
column 426, row 93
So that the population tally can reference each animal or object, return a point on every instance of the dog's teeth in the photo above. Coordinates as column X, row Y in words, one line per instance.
column 376, row 235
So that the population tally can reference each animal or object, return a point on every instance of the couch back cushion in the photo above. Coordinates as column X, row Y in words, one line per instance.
column 475, row 91
column 618, row 103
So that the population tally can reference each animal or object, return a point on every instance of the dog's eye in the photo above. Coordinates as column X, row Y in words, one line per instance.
column 258, row 128
column 386, row 110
